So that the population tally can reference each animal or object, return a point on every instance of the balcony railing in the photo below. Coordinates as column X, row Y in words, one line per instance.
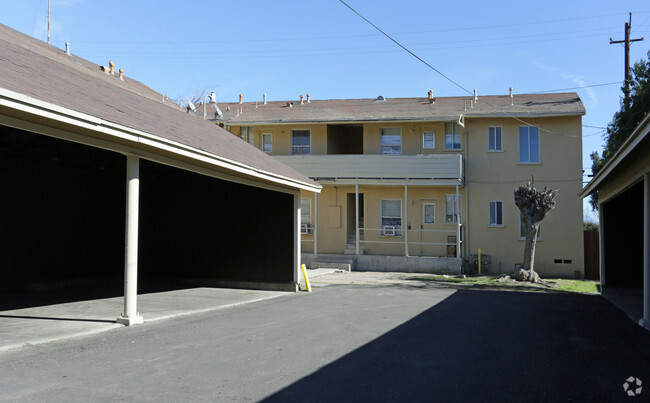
column 441, row 169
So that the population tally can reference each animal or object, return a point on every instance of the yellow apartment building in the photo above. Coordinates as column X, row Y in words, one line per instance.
column 420, row 184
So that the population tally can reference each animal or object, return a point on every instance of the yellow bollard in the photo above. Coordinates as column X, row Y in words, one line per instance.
column 304, row 274
column 479, row 260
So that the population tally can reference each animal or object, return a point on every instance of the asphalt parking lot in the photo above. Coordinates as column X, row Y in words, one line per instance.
column 387, row 339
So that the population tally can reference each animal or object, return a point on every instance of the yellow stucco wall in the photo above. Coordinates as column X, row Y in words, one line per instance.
column 490, row 176
column 493, row 176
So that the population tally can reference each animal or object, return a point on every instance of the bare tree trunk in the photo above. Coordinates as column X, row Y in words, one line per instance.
column 534, row 205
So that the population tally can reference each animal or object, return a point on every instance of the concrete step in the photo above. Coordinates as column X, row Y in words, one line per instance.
column 351, row 249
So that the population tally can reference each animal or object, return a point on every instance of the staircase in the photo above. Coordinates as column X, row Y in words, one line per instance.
column 351, row 247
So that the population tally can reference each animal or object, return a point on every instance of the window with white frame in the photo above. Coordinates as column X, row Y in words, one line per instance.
column 528, row 144
column 452, row 136
column 391, row 217
column 522, row 229
column 429, row 213
column 494, row 139
column 391, row 141
column 305, row 216
column 428, row 139
column 300, row 142
column 496, row 213
column 452, row 208
column 267, row 142
column 246, row 134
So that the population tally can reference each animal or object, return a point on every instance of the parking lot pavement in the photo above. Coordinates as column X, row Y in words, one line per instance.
column 43, row 324
column 380, row 338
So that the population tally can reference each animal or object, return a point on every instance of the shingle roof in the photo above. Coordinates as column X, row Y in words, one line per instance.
column 403, row 109
column 45, row 73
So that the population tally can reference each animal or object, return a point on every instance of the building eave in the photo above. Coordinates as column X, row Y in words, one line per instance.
column 638, row 135
column 138, row 140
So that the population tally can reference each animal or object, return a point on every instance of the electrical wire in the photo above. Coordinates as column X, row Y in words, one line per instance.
column 448, row 78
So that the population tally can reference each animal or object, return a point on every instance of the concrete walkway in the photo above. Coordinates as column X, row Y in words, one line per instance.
column 43, row 324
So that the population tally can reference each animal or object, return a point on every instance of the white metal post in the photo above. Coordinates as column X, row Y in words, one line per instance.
column 315, row 224
column 646, row 251
column 356, row 206
column 601, row 241
column 405, row 228
column 130, row 316
column 296, row 237
column 457, row 202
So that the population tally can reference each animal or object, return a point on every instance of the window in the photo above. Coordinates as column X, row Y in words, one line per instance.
column 267, row 142
column 452, row 136
column 391, row 217
column 391, row 141
column 452, row 208
column 428, row 139
column 522, row 229
column 494, row 139
column 305, row 216
column 246, row 134
column 429, row 213
column 496, row 213
column 528, row 144
column 300, row 142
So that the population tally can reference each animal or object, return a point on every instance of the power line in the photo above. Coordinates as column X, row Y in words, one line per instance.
column 573, row 88
column 449, row 79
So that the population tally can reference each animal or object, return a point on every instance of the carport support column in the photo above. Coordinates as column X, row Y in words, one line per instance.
column 315, row 224
column 645, row 322
column 130, row 316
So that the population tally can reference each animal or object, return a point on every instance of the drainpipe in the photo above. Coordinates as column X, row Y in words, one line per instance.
column 458, row 215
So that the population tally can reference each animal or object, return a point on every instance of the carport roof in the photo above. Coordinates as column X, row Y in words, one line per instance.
column 41, row 82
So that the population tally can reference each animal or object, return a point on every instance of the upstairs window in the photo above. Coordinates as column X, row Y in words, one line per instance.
column 528, row 144
column 494, row 139
column 452, row 136
column 391, row 141
column 428, row 139
column 300, row 142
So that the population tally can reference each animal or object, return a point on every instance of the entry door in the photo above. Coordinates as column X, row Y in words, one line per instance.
column 428, row 223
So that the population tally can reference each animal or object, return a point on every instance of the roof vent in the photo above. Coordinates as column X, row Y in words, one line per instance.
column 67, row 48
column 265, row 99
column 432, row 100
column 512, row 98
column 380, row 99
column 308, row 98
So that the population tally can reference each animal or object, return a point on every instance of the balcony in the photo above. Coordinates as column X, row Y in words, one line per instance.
column 437, row 169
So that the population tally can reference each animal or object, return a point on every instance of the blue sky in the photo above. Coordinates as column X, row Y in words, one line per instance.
column 287, row 48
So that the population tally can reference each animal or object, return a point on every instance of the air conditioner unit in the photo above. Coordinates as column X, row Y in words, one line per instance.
column 389, row 230
column 305, row 229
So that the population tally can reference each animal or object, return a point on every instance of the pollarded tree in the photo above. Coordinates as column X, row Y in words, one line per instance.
column 534, row 205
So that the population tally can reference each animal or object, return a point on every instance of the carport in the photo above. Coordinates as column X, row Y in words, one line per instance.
column 106, row 182
column 623, row 187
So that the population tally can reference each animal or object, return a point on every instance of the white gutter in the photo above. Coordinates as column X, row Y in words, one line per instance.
column 630, row 144
column 27, row 104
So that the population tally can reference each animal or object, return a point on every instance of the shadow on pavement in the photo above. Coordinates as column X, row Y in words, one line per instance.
column 492, row 346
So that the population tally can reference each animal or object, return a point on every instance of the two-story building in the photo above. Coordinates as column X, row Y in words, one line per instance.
column 420, row 184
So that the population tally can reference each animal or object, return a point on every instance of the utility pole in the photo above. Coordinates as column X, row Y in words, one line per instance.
column 626, row 41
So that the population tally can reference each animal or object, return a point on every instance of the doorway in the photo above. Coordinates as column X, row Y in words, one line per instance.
column 428, row 221
column 351, row 217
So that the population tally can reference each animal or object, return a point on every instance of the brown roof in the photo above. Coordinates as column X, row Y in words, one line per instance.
column 33, row 68
column 403, row 109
